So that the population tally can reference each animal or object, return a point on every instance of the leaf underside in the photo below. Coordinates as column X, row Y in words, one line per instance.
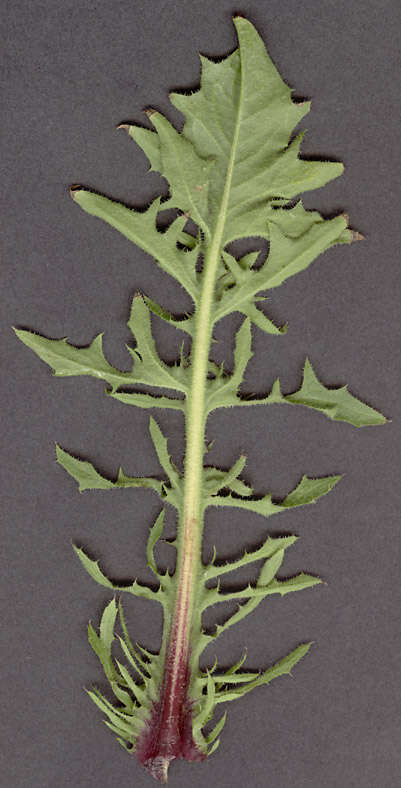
column 236, row 171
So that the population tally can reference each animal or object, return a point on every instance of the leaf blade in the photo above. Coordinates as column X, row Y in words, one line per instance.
column 338, row 404
column 89, row 478
column 281, row 668
column 137, row 589
column 140, row 228
column 67, row 360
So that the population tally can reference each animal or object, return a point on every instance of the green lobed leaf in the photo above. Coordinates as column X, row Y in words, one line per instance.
column 281, row 668
column 135, row 688
column 154, row 536
column 310, row 490
column 148, row 140
column 307, row 491
column 145, row 664
column 261, row 320
column 148, row 654
column 140, row 228
column 221, row 391
column 137, row 589
column 122, row 735
column 268, row 549
column 184, row 323
column 67, row 360
column 216, row 480
column 282, row 587
column 270, row 568
column 231, row 671
column 88, row 477
column 266, row 585
column 236, row 678
column 338, row 404
column 297, row 238
column 233, row 171
column 101, row 645
column 147, row 400
column 101, row 651
column 215, row 732
column 243, row 117
column 226, row 279
column 237, row 665
column 297, row 583
column 83, row 472
column 263, row 506
column 206, row 706
column 187, row 173
column 148, row 367
column 267, row 572
column 131, row 656
column 160, row 444
column 107, row 623
column 242, row 352
column 213, row 748
column 127, row 724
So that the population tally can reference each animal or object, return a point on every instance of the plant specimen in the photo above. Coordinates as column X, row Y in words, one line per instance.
column 234, row 172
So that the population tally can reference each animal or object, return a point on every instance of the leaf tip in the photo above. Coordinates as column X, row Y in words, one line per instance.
column 74, row 188
column 18, row 331
column 355, row 236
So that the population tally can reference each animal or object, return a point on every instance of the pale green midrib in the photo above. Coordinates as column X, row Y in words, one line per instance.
column 195, row 426
column 190, row 527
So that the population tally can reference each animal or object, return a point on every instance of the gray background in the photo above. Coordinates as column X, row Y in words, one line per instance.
column 70, row 73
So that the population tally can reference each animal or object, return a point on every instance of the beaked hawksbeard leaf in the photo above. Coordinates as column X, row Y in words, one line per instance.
column 235, row 171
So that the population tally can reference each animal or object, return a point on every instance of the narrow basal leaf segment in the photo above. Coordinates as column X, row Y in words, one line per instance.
column 234, row 172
